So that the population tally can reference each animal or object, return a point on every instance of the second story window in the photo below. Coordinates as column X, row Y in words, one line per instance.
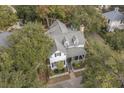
column 57, row 54
column 122, row 22
column 65, row 42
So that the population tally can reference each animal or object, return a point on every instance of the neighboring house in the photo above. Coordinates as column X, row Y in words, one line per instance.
column 106, row 7
column 115, row 19
column 69, row 44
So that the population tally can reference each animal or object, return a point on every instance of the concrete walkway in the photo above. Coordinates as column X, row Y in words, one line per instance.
column 71, row 83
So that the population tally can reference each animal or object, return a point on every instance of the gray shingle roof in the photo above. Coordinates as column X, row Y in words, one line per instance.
column 114, row 15
column 57, row 28
column 3, row 38
column 58, row 32
column 72, row 52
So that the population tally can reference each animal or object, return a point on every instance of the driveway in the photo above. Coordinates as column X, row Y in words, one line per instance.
column 71, row 83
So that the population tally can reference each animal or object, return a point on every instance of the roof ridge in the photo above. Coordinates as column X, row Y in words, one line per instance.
column 59, row 23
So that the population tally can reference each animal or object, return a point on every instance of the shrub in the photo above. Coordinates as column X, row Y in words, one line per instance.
column 60, row 65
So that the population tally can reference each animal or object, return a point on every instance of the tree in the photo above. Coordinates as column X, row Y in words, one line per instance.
column 103, row 65
column 23, row 64
column 27, row 13
column 48, row 14
column 89, row 16
column 73, row 16
column 7, row 17
column 115, row 40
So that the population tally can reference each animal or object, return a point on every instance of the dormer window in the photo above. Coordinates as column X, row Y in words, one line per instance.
column 57, row 54
column 108, row 20
column 117, row 9
column 121, row 22
column 75, row 40
column 65, row 42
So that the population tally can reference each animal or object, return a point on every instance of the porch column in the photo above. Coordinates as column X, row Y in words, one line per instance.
column 65, row 62
column 78, row 58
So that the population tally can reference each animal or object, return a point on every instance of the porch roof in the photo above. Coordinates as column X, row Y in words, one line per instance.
column 76, row 51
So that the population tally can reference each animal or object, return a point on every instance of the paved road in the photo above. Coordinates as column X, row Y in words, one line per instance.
column 71, row 83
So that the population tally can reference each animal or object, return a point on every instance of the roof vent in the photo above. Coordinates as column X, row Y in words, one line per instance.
column 117, row 9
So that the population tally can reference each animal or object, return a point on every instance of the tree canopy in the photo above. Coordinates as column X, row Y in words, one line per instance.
column 115, row 40
column 103, row 65
column 23, row 64
column 7, row 17
column 73, row 15
column 27, row 13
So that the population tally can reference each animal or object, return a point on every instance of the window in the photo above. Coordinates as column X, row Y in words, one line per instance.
column 75, row 40
column 121, row 22
column 53, row 65
column 65, row 42
column 81, row 57
column 57, row 54
column 76, row 57
column 108, row 20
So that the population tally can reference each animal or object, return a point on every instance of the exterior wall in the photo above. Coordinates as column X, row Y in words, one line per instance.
column 55, row 67
column 54, row 59
column 115, row 24
column 58, row 58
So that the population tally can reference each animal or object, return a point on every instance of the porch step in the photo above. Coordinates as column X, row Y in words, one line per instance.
column 72, row 75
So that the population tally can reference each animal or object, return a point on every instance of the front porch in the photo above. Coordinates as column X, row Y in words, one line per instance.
column 76, row 62
column 70, row 64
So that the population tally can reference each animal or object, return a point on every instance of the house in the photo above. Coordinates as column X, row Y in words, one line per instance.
column 115, row 19
column 104, row 7
column 69, row 44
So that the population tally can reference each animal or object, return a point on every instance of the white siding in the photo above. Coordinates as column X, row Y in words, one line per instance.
column 115, row 24
column 54, row 59
column 57, row 58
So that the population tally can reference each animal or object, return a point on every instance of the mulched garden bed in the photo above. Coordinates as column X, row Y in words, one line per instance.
column 77, row 65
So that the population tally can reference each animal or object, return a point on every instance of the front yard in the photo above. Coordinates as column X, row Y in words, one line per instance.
column 57, row 71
